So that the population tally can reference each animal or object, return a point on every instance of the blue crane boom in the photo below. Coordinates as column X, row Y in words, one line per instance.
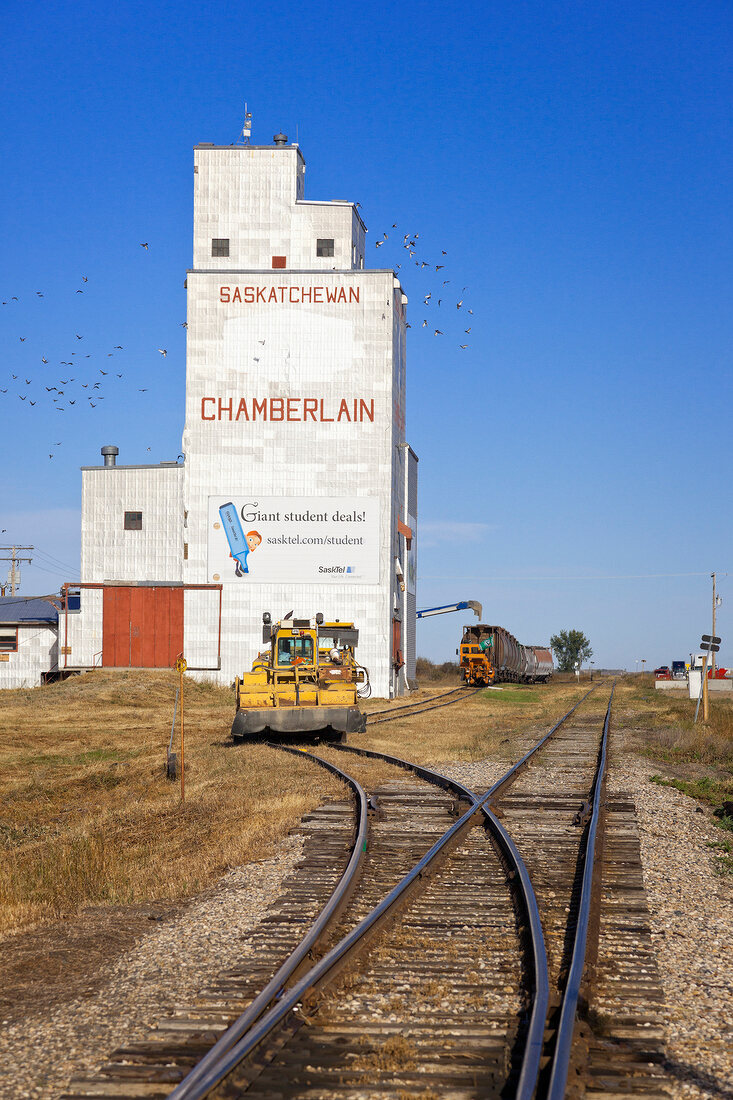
column 464, row 605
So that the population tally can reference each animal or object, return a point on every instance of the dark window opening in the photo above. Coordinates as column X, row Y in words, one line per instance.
column 279, row 261
column 133, row 521
column 8, row 639
column 220, row 246
column 324, row 246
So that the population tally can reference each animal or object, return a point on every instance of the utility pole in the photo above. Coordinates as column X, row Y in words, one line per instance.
column 15, row 560
column 712, row 659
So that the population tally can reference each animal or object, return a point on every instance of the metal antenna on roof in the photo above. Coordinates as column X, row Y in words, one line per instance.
column 247, row 128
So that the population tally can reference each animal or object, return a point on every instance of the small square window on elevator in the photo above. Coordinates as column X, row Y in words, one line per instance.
column 220, row 246
column 133, row 521
column 324, row 246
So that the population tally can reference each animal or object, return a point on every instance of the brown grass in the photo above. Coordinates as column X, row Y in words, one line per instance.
column 478, row 726
column 88, row 817
column 662, row 726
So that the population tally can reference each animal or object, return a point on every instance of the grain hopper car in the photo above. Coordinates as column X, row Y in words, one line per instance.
column 490, row 654
column 307, row 681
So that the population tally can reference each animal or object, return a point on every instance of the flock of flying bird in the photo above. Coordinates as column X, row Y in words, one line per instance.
column 66, row 397
column 79, row 386
column 409, row 243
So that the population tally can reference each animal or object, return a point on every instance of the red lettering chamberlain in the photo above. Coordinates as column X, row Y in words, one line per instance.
column 323, row 410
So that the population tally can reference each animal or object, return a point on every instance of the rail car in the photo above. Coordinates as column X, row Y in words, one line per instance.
column 490, row 654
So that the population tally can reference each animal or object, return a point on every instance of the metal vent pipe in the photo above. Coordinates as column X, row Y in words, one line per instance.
column 109, row 455
column 280, row 139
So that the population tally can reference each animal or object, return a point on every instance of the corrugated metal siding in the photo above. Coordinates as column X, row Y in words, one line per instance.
column 411, row 657
column 201, row 628
column 108, row 551
column 325, row 350
column 37, row 653
column 81, row 632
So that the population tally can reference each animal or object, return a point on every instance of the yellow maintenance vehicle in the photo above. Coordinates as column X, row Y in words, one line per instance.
column 307, row 681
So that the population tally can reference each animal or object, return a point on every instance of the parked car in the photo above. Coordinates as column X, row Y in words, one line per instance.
column 662, row 673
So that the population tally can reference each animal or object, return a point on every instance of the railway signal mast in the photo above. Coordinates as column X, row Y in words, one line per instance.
column 711, row 644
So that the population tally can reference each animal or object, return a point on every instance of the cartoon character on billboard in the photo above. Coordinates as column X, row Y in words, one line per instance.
column 240, row 545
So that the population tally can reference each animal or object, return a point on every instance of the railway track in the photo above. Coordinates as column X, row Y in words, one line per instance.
column 435, row 979
column 391, row 714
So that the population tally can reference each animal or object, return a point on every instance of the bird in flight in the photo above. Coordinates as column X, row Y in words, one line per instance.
column 437, row 332
column 463, row 346
column 77, row 336
column 466, row 330
column 143, row 391
column 105, row 372
column 119, row 347
column 84, row 279
column 80, row 292
column 424, row 324
column 22, row 339
column 184, row 324
column 459, row 304
column 144, row 244
column 378, row 244
column 163, row 352
column 43, row 359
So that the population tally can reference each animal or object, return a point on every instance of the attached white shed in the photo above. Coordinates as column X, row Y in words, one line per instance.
column 29, row 628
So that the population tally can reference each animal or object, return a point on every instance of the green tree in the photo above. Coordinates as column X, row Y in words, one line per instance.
column 570, row 648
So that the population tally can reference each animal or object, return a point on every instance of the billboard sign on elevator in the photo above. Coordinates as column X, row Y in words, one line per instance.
column 308, row 540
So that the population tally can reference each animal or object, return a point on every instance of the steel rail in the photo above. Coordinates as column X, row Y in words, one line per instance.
column 511, row 775
column 188, row 1086
column 408, row 706
column 423, row 709
column 566, row 1027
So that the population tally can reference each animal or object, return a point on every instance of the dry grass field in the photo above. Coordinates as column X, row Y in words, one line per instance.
column 87, row 817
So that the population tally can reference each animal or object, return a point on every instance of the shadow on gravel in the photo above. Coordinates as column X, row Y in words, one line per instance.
column 691, row 1075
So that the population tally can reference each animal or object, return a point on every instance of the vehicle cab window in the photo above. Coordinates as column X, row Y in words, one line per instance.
column 290, row 648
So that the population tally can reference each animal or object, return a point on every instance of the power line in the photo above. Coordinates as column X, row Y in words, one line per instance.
column 598, row 577
column 55, row 561
column 14, row 574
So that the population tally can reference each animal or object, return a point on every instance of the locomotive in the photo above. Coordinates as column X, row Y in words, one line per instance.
column 489, row 654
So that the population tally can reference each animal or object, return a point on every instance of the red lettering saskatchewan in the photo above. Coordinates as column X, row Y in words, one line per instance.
column 294, row 295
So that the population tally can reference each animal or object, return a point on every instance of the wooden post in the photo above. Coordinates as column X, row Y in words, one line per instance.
column 182, row 666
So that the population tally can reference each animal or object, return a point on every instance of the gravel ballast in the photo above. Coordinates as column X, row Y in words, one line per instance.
column 170, row 964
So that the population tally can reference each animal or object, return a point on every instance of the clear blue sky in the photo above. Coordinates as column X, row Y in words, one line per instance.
column 573, row 160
